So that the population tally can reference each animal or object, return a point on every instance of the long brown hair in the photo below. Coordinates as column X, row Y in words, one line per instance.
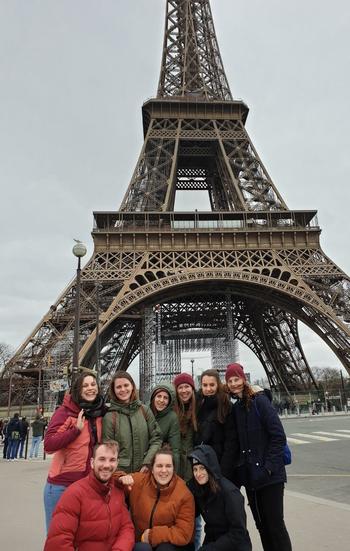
column 122, row 375
column 186, row 415
column 224, row 405
column 247, row 395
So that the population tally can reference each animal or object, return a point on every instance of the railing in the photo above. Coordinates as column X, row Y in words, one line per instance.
column 119, row 221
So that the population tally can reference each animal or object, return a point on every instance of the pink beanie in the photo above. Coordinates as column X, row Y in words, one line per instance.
column 184, row 378
column 234, row 370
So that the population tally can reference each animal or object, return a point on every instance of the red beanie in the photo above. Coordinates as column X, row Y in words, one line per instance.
column 234, row 370
column 184, row 378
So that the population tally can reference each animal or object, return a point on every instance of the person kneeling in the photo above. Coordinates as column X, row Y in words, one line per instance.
column 220, row 503
column 91, row 514
column 161, row 505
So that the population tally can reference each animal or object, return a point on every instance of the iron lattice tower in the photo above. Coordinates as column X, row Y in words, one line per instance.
column 169, row 281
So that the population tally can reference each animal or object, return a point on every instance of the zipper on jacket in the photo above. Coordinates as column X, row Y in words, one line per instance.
column 154, row 508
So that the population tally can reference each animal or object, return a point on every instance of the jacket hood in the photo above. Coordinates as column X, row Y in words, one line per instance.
column 205, row 455
column 170, row 390
column 69, row 403
column 131, row 407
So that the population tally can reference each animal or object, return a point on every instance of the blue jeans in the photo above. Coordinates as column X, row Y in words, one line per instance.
column 197, row 532
column 34, row 448
column 52, row 493
column 21, row 446
column 12, row 448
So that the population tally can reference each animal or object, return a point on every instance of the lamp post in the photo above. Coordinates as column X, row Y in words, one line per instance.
column 98, row 359
column 79, row 250
column 192, row 369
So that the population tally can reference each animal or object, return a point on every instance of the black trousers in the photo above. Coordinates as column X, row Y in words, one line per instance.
column 267, row 508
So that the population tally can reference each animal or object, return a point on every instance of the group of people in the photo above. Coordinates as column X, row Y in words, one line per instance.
column 14, row 433
column 175, row 461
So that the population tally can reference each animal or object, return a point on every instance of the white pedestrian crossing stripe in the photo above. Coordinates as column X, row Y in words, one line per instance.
column 319, row 436
column 338, row 434
column 296, row 441
column 314, row 437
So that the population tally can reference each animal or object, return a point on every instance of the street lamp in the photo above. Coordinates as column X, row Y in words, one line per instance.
column 192, row 370
column 79, row 250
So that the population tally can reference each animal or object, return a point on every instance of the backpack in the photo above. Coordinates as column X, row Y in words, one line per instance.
column 287, row 452
column 15, row 435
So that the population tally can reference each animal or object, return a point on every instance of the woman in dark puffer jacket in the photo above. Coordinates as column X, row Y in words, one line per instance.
column 219, row 502
column 215, row 423
column 259, row 460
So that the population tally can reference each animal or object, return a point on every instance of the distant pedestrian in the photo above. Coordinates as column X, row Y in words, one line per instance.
column 14, row 436
column 5, row 438
column 259, row 459
column 24, row 428
column 38, row 426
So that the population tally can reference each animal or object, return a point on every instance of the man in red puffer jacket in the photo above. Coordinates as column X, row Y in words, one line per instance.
column 91, row 514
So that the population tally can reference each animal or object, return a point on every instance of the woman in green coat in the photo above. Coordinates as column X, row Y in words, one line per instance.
column 185, row 408
column 162, row 405
column 132, row 424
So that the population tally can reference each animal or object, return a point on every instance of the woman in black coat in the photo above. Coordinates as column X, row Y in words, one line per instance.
column 259, row 460
column 219, row 502
column 215, row 424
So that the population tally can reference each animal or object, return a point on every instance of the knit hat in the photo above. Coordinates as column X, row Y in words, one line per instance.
column 183, row 378
column 234, row 370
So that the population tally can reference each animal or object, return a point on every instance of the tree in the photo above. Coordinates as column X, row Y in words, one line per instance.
column 6, row 352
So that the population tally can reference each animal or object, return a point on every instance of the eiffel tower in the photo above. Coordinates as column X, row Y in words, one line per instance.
column 161, row 282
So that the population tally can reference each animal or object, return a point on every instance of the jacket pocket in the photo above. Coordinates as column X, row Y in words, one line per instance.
column 257, row 474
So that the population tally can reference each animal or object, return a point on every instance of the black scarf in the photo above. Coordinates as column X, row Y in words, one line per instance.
column 93, row 409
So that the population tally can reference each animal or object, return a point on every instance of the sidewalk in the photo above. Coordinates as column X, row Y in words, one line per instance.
column 312, row 523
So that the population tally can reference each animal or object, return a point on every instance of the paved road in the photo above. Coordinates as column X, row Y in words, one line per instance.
column 321, row 457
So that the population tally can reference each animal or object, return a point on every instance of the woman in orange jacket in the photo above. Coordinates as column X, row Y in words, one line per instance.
column 161, row 506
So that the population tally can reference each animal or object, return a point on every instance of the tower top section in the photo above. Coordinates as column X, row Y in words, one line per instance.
column 191, row 60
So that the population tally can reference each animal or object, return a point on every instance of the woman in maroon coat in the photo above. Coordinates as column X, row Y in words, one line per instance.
column 73, row 431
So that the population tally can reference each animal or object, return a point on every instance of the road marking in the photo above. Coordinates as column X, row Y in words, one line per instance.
column 332, row 434
column 319, row 475
column 319, row 500
column 314, row 437
column 296, row 441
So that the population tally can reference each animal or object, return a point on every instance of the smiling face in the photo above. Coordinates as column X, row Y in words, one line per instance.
column 200, row 473
column 89, row 389
column 123, row 390
column 209, row 386
column 184, row 392
column 163, row 469
column 236, row 385
column 104, row 463
column 161, row 400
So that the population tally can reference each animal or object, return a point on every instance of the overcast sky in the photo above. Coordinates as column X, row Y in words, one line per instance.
column 73, row 76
